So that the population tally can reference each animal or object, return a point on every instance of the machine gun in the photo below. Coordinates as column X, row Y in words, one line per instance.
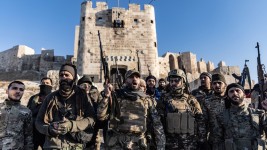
column 113, row 101
column 260, row 76
column 245, row 74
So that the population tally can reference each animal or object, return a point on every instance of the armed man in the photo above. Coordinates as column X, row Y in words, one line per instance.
column 243, row 127
column 15, row 120
column 137, row 113
column 94, row 97
column 65, row 114
column 183, row 119
column 34, row 105
column 204, row 89
column 212, row 106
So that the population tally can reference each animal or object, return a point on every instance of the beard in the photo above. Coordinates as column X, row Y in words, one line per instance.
column 65, row 87
column 45, row 90
column 237, row 102
column 150, row 90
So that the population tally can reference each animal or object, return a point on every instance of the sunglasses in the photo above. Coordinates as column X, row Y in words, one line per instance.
column 175, row 80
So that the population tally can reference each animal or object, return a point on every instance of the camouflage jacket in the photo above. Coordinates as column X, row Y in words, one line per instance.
column 153, row 124
column 75, row 108
column 194, row 108
column 15, row 126
column 201, row 94
column 242, row 124
column 212, row 106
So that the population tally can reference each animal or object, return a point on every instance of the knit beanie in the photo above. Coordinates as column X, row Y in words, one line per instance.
column 70, row 68
column 151, row 77
column 234, row 85
column 206, row 74
column 218, row 77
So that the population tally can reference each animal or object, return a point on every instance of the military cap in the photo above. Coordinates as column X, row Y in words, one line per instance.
column 218, row 77
column 85, row 79
column 131, row 72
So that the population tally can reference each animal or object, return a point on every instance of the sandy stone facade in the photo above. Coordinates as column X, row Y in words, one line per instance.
column 19, row 59
column 126, row 34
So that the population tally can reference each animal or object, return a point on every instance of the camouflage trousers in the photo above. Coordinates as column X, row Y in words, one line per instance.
column 181, row 142
column 129, row 141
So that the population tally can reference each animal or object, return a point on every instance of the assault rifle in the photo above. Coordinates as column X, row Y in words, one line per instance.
column 187, row 87
column 114, row 105
column 149, row 71
column 260, row 75
column 138, row 62
column 245, row 74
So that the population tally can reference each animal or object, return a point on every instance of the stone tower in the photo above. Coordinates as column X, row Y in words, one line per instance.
column 126, row 35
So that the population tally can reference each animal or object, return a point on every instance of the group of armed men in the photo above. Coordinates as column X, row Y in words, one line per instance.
column 137, row 116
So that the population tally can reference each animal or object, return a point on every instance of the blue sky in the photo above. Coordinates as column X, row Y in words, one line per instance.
column 212, row 29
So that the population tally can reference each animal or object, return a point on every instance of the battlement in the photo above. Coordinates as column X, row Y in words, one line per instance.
column 104, row 6
column 21, row 58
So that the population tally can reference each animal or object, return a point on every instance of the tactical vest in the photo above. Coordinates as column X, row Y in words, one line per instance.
column 181, row 121
column 134, row 116
column 254, row 142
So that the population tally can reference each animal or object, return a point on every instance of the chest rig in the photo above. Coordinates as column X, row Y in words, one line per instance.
column 180, row 119
column 134, row 115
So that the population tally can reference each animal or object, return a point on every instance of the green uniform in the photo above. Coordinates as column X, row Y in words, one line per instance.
column 15, row 126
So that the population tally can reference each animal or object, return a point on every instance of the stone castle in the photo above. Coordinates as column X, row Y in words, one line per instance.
column 127, row 35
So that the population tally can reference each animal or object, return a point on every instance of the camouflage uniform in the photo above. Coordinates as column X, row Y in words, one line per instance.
column 138, row 114
column 184, row 123
column 213, row 106
column 201, row 94
column 15, row 126
column 242, row 128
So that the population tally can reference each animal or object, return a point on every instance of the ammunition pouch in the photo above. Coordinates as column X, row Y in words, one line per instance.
column 180, row 123
column 125, row 140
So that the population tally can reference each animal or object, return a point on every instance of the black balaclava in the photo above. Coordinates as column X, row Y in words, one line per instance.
column 45, row 90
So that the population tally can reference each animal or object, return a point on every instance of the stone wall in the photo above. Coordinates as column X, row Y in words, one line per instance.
column 125, row 33
column 22, row 60
column 11, row 59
